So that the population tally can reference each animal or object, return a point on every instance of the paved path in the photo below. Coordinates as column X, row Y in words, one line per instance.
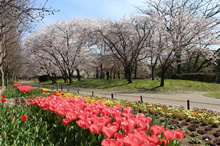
column 175, row 98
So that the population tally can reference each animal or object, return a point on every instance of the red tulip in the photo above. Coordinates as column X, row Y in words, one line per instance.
column 23, row 118
column 119, row 136
column 109, row 132
column 66, row 122
column 12, row 120
column 3, row 96
column 168, row 134
column 179, row 134
column 164, row 142
column 59, row 91
column 3, row 100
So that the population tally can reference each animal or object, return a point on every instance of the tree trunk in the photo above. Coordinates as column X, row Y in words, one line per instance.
column 65, row 78
column 70, row 79
column 130, row 77
column 135, row 70
column 78, row 74
column 102, row 74
column 162, row 79
column 53, row 80
column 128, row 72
column 152, row 72
column 119, row 74
column 114, row 75
column 2, row 76
column 97, row 72
column 179, row 66
column 164, row 69
column 111, row 73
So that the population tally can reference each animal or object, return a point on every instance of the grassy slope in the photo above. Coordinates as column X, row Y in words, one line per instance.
column 143, row 85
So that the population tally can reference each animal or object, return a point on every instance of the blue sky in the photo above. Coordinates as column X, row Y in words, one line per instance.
column 113, row 9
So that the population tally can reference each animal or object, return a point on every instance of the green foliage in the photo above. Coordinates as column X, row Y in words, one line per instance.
column 203, row 77
column 44, row 78
column 41, row 128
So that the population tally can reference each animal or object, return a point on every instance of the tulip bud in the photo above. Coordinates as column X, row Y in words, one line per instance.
column 4, row 134
column 40, row 119
column 12, row 120
column 36, row 129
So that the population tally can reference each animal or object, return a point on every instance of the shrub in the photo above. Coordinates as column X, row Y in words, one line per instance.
column 44, row 78
column 203, row 77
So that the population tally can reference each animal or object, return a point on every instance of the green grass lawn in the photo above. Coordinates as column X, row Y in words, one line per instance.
column 142, row 85
column 215, row 94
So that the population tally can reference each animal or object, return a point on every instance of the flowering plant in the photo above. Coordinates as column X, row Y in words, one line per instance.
column 119, row 126
column 18, row 84
column 25, row 88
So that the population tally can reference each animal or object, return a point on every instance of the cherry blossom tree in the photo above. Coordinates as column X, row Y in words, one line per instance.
column 182, row 25
column 126, row 39
column 64, row 43
column 17, row 16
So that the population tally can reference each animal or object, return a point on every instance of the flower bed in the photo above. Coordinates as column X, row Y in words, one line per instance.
column 111, row 122
column 48, row 130
column 197, row 115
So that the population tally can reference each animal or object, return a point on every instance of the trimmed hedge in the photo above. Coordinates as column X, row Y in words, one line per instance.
column 203, row 77
column 44, row 78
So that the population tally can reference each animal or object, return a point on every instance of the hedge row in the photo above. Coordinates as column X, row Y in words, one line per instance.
column 203, row 77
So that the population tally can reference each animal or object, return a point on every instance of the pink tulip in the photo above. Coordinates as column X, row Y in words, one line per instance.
column 168, row 134
column 154, row 139
column 128, row 125
column 120, row 136
column 83, row 124
column 118, row 108
column 109, row 132
column 156, row 129
column 96, row 128
column 179, row 134
column 111, row 142
column 133, row 140
column 143, row 125
column 87, row 115
column 71, row 116
column 127, row 110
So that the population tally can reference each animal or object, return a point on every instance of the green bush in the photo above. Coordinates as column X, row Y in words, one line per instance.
column 44, row 78
column 203, row 77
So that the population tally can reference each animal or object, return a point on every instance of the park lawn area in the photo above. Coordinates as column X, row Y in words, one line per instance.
column 215, row 94
column 142, row 85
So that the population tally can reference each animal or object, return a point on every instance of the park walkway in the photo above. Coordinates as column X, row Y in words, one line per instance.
column 175, row 98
